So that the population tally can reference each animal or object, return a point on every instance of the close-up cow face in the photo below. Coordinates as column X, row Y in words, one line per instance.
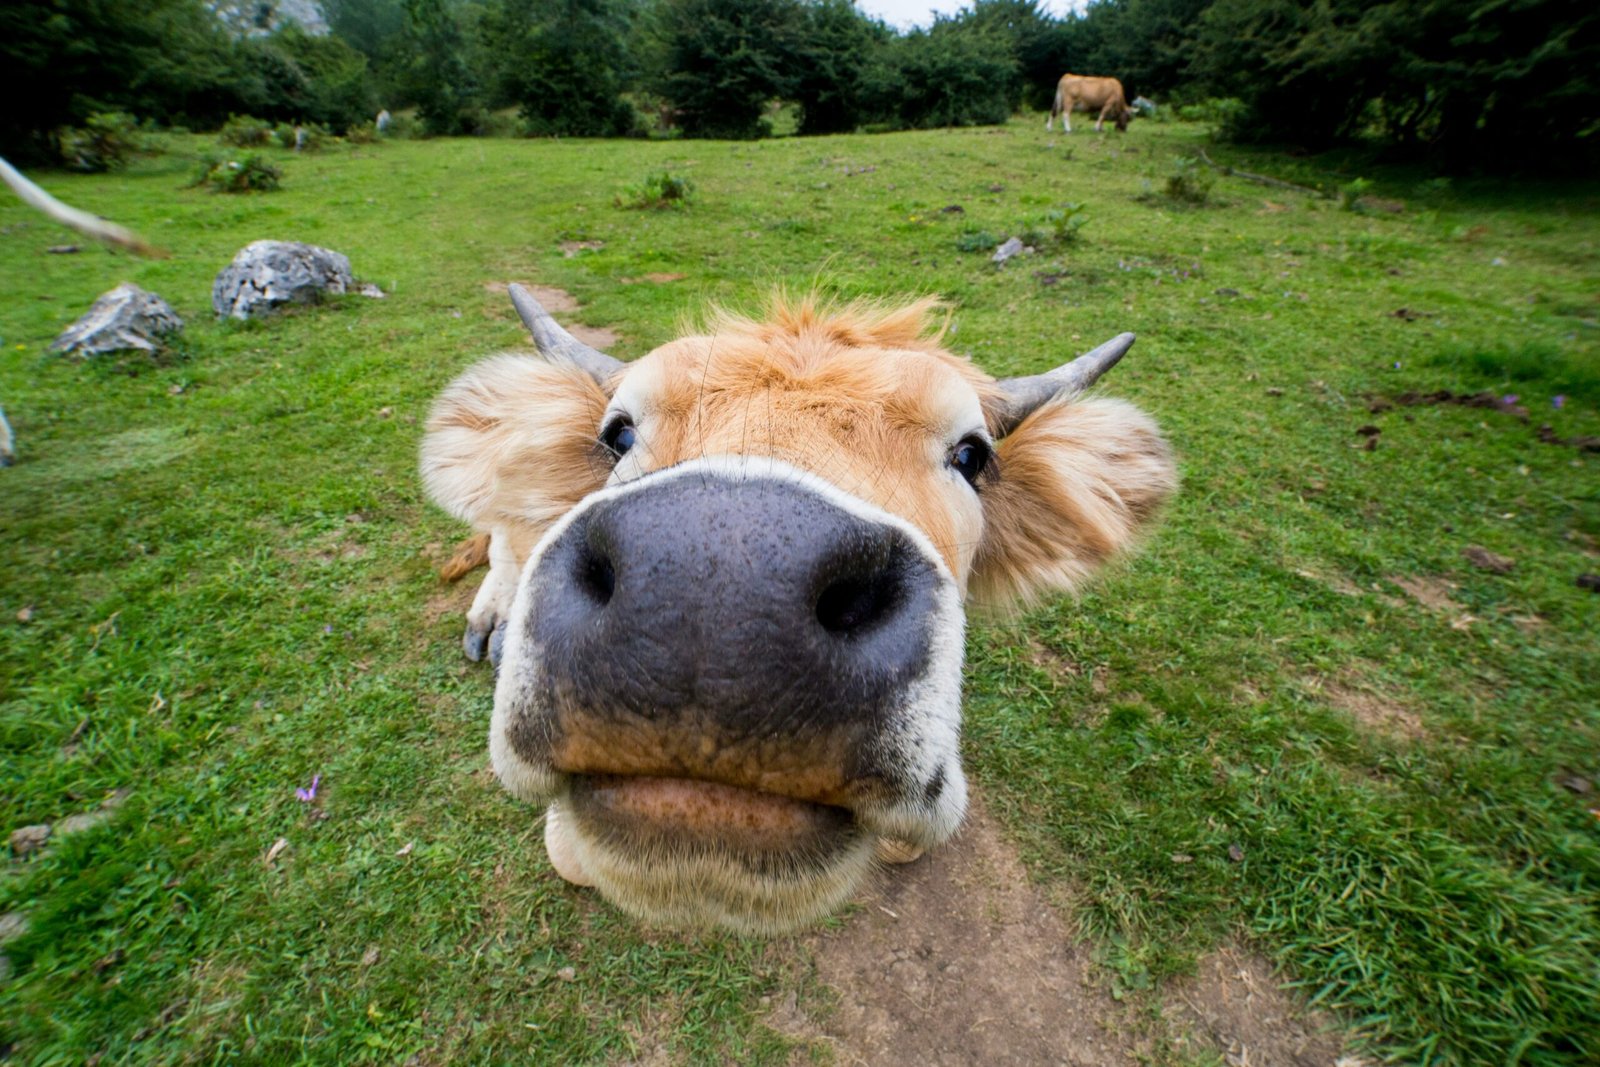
column 727, row 586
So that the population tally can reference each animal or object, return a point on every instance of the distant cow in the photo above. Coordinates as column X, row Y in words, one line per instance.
column 1102, row 97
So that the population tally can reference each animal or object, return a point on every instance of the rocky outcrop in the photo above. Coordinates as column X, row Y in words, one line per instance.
column 127, row 317
column 266, row 275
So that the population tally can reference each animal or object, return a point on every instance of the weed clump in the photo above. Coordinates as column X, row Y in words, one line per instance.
column 245, row 131
column 229, row 172
column 105, row 141
column 657, row 192
column 1350, row 194
column 972, row 239
column 1188, row 182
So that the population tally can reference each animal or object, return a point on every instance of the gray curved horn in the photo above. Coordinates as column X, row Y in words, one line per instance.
column 555, row 342
column 1021, row 397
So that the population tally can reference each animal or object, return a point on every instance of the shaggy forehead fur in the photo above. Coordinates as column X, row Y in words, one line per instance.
column 863, row 396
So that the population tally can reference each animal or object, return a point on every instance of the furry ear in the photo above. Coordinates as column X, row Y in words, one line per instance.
column 512, row 441
column 1078, row 483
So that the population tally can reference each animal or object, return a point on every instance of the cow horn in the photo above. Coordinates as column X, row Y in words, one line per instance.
column 556, row 343
column 1021, row 397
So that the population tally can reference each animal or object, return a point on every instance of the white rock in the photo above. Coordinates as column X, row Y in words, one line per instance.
column 1012, row 247
column 266, row 275
column 126, row 318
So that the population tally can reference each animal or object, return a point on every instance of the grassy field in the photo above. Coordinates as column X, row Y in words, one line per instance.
column 1301, row 719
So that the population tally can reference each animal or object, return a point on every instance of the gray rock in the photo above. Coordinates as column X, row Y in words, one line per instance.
column 1012, row 247
column 126, row 318
column 29, row 839
column 266, row 275
column 13, row 924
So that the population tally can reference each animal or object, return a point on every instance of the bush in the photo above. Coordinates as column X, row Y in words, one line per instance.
column 942, row 77
column 362, row 133
column 1351, row 192
column 657, row 191
column 106, row 141
column 1188, row 182
column 1223, row 114
column 246, row 131
column 302, row 137
column 565, row 64
column 229, row 172
column 720, row 61
column 975, row 240
column 1065, row 223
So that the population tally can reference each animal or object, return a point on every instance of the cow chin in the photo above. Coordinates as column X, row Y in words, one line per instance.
column 686, row 818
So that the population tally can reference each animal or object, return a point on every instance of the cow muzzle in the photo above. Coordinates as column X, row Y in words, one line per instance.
column 730, row 679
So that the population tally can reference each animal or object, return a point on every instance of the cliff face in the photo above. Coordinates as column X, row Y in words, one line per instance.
column 257, row 18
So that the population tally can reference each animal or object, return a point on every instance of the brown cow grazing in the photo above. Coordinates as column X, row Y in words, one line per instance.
column 1101, row 97
column 727, row 582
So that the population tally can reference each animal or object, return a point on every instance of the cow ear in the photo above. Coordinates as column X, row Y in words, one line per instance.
column 513, row 441
column 1078, row 483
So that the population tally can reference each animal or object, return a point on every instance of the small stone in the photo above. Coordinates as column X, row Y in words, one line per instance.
column 369, row 957
column 1576, row 784
column 384, row 413
column 568, row 974
column 124, row 319
column 76, row 824
column 1590, row 582
column 25, row 614
column 64, row 250
column 1273, row 390
column 1483, row 559
column 13, row 924
column 1181, row 857
column 29, row 839
column 1369, row 430
column 1235, row 853
column 1011, row 247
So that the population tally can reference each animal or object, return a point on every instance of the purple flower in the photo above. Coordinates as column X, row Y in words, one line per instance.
column 328, row 629
column 1558, row 401
column 1509, row 399
column 1397, row 364
column 306, row 796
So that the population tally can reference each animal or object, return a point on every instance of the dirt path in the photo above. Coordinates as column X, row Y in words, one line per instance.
column 959, row 959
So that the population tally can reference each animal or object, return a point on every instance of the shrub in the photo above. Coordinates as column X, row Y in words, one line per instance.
column 1065, row 223
column 230, row 172
column 1188, row 182
column 106, row 141
column 658, row 191
column 1351, row 192
column 302, row 137
column 362, row 133
column 975, row 240
column 246, row 131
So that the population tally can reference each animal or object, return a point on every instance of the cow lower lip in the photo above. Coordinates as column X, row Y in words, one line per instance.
column 685, row 807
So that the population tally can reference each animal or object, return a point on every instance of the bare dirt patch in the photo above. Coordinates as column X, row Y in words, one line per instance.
column 959, row 959
column 549, row 297
column 556, row 301
column 1431, row 593
column 655, row 277
column 601, row 337
column 1370, row 709
column 1235, row 1005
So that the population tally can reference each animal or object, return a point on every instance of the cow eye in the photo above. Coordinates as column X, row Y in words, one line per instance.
column 970, row 457
column 619, row 436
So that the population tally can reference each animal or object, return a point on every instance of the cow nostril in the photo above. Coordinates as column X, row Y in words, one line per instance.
column 596, row 577
column 852, row 604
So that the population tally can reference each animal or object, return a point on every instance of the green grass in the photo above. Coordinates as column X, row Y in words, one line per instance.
column 229, row 564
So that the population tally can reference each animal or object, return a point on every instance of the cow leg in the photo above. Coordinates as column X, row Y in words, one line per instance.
column 1066, row 120
column 8, row 454
column 486, row 621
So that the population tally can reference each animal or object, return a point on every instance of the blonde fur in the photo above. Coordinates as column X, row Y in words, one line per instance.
column 1079, row 481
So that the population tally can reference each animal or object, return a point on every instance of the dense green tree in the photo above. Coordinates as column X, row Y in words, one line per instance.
column 720, row 61
column 836, row 45
column 1499, row 83
column 61, row 60
column 565, row 62
column 439, row 76
column 947, row 75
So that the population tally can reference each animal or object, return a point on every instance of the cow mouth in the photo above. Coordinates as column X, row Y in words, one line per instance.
column 654, row 812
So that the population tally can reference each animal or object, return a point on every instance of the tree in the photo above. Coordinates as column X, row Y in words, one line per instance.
column 946, row 75
column 438, row 77
column 565, row 62
column 720, row 61
column 836, row 45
